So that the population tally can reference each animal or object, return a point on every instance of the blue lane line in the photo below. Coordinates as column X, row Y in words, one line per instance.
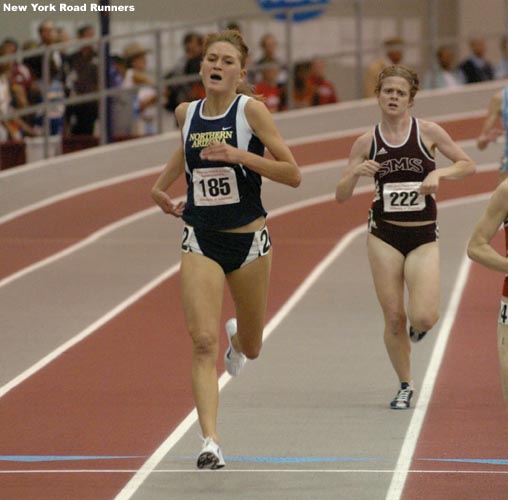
column 489, row 461
column 290, row 460
column 63, row 458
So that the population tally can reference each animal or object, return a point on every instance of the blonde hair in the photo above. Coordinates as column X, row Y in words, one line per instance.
column 403, row 72
column 235, row 38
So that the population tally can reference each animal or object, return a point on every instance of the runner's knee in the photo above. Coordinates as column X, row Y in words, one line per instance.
column 395, row 321
column 205, row 342
column 424, row 321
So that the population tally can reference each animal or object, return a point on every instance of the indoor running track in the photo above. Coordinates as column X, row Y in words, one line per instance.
column 95, row 398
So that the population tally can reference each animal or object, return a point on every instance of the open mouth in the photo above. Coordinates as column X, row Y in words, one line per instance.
column 216, row 77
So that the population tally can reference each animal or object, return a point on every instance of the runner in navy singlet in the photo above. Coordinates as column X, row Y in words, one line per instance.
column 480, row 249
column 402, row 240
column 225, row 237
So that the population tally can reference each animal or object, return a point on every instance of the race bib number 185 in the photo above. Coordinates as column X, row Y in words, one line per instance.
column 403, row 197
column 215, row 186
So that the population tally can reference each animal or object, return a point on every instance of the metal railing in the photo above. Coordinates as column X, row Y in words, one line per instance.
column 103, row 93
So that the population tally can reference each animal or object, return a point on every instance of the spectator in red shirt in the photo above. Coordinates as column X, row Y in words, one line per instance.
column 323, row 88
column 270, row 89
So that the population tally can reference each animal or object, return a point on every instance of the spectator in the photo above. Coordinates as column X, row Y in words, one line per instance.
column 48, row 36
column 304, row 94
column 143, row 99
column 189, row 64
column 501, row 70
column 444, row 76
column 269, row 45
column 10, row 129
column 272, row 91
column 394, row 53
column 21, row 80
column 83, row 79
column 476, row 68
column 323, row 88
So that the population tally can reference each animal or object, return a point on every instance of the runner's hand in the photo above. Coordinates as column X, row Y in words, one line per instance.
column 167, row 206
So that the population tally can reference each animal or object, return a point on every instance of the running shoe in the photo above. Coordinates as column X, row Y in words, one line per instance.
column 210, row 456
column 403, row 397
column 233, row 360
column 415, row 337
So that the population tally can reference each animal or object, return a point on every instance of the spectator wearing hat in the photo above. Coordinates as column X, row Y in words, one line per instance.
column 138, row 113
column 394, row 53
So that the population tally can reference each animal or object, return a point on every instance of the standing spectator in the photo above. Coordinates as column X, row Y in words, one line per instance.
column 476, row 68
column 189, row 64
column 48, row 37
column 143, row 109
column 323, row 88
column 272, row 91
column 501, row 70
column 83, row 79
column 445, row 76
column 394, row 53
column 269, row 46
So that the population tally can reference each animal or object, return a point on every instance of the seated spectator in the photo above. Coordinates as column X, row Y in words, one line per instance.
column 444, row 75
column 394, row 53
column 83, row 79
column 323, row 88
column 272, row 91
column 501, row 70
column 189, row 64
column 12, row 129
column 476, row 68
column 304, row 94
column 22, row 81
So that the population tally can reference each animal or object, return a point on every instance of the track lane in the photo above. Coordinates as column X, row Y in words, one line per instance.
column 36, row 235
column 466, row 419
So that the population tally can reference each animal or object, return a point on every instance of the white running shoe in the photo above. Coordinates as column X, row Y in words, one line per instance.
column 210, row 456
column 233, row 360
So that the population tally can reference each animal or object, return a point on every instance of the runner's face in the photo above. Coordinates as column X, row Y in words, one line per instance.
column 394, row 96
column 221, row 69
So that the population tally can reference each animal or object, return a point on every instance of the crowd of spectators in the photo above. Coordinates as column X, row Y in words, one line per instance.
column 23, row 81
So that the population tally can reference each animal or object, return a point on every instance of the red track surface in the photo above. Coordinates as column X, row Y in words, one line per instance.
column 32, row 237
column 466, row 418
column 112, row 397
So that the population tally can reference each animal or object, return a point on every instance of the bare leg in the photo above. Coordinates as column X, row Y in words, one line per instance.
column 387, row 266
column 249, row 289
column 502, row 349
column 421, row 271
column 202, row 282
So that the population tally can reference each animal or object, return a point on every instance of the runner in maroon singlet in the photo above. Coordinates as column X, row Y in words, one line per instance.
column 402, row 240
column 480, row 250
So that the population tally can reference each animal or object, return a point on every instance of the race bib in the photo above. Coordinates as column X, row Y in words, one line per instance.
column 503, row 313
column 215, row 186
column 403, row 197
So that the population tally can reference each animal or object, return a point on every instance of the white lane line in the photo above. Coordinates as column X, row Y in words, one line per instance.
column 248, row 471
column 413, row 432
column 79, row 245
column 149, row 466
column 315, row 167
column 81, row 190
column 88, row 330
